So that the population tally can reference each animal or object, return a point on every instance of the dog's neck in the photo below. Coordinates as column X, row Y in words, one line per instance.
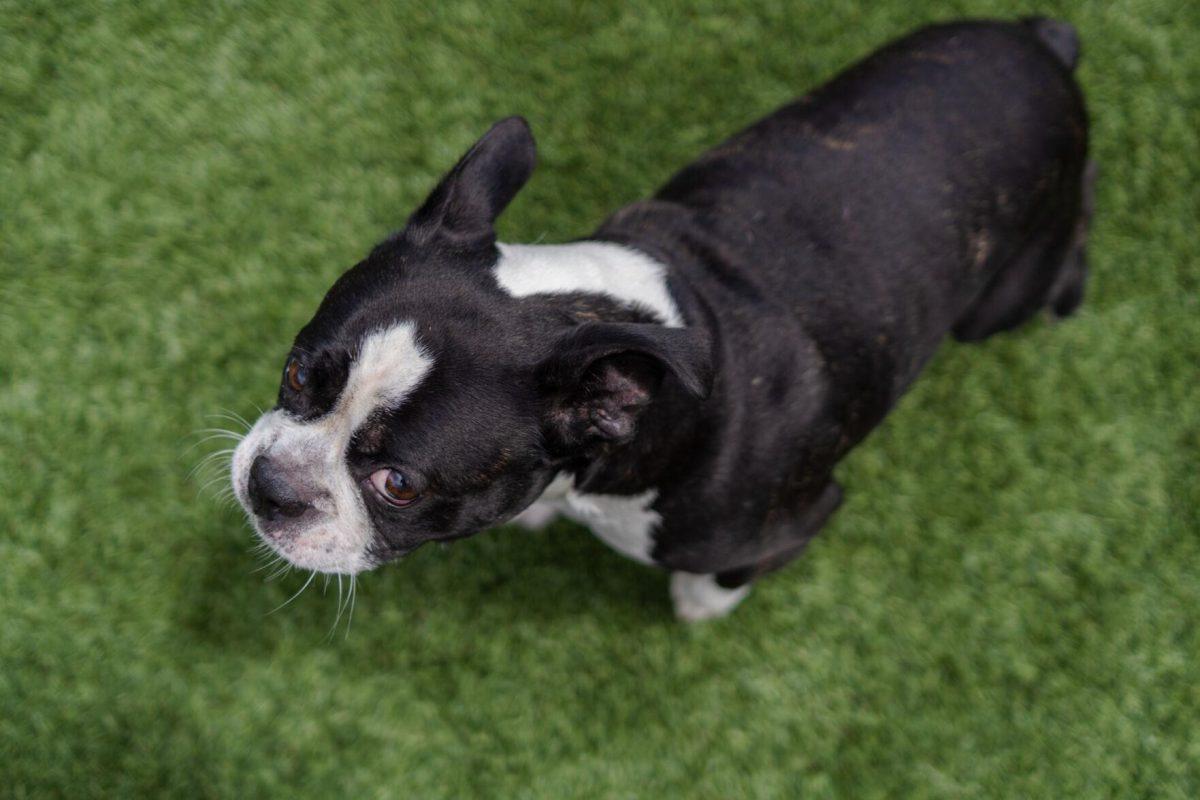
column 607, row 282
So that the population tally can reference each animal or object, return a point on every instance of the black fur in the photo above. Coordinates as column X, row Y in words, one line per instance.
column 819, row 257
column 934, row 187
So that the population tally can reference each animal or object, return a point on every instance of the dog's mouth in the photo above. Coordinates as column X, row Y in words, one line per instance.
column 315, row 540
column 316, row 547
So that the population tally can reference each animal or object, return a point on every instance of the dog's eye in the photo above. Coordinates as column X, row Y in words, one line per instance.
column 394, row 487
column 297, row 375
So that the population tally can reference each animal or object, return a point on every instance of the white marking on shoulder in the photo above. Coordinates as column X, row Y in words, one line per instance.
column 700, row 597
column 622, row 273
column 390, row 363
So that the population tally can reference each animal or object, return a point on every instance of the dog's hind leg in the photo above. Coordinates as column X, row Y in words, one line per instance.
column 1018, row 291
column 1067, row 292
column 1049, row 272
column 700, row 597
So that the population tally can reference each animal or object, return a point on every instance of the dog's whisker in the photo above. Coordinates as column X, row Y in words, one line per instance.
column 219, row 432
column 224, row 416
column 237, row 417
column 297, row 594
column 225, row 456
column 223, row 459
column 212, row 458
column 218, row 454
column 209, row 435
column 260, row 548
column 233, row 417
column 353, row 597
column 340, row 608
column 267, row 565
column 282, row 570
column 210, row 483
column 221, row 468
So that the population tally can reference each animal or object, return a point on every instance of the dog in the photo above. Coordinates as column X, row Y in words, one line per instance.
column 685, row 380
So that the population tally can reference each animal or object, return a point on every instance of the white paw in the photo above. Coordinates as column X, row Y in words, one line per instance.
column 698, row 597
column 536, row 517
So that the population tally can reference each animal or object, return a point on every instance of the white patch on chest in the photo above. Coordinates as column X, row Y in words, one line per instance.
column 626, row 523
column 622, row 273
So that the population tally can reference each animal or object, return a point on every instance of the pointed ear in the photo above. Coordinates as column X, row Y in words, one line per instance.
column 464, row 206
column 602, row 376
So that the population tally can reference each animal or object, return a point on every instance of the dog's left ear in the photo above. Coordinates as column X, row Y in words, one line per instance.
column 463, row 208
column 602, row 375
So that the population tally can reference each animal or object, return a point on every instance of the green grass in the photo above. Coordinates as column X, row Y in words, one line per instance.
column 1007, row 604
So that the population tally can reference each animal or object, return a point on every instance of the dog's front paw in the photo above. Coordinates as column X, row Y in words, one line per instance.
column 699, row 597
column 536, row 517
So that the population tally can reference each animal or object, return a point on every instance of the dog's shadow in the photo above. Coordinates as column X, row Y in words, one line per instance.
column 543, row 578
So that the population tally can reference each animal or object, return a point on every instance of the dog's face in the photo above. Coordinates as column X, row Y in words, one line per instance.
column 423, row 403
column 396, row 423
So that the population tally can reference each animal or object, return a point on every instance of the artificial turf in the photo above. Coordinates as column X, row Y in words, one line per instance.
column 1006, row 605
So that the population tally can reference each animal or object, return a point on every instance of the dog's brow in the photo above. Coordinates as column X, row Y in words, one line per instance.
column 388, row 366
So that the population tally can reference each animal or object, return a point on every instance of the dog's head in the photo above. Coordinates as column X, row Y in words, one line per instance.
column 422, row 402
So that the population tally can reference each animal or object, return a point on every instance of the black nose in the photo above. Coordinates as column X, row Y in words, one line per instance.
column 271, row 496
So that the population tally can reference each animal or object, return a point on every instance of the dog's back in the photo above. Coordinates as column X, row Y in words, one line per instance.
column 935, row 188
column 881, row 211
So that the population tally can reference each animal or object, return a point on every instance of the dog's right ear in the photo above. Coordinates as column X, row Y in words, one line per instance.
column 463, row 208
column 601, row 376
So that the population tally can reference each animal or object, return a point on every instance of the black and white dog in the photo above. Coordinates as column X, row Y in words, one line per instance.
column 685, row 380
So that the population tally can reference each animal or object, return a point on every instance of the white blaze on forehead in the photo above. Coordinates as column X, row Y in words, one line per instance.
column 390, row 363
column 622, row 273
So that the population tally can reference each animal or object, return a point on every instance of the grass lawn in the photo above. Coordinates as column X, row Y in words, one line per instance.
column 1007, row 605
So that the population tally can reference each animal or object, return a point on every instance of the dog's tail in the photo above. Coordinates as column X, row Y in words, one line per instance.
column 1059, row 37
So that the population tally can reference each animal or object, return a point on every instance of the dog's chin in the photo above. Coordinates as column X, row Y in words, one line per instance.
column 315, row 548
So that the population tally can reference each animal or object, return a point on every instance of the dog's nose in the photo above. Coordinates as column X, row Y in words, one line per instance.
column 271, row 496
